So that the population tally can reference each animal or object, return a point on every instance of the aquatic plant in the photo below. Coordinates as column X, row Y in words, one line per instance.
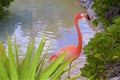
column 103, row 53
column 32, row 66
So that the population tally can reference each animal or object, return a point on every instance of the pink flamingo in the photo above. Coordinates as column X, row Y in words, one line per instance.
column 72, row 50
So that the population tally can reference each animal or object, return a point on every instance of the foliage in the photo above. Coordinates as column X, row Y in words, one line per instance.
column 106, row 11
column 32, row 66
column 103, row 49
column 4, row 4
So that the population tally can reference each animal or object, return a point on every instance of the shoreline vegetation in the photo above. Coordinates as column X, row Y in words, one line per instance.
column 103, row 50
column 4, row 5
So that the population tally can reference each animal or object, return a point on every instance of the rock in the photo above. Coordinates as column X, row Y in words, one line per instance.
column 85, row 3
column 92, row 15
column 115, row 78
column 91, row 12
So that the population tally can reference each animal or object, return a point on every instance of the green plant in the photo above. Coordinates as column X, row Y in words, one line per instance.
column 4, row 4
column 106, row 11
column 32, row 66
column 102, row 51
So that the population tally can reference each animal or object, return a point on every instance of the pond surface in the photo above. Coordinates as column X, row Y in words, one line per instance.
column 30, row 19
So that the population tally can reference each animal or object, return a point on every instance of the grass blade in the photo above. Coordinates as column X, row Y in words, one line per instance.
column 41, row 64
column 76, row 76
column 3, row 53
column 69, row 68
column 92, row 77
column 3, row 70
column 46, row 72
column 3, row 62
column 42, row 61
column 16, row 51
column 24, row 66
column 34, row 63
column 60, row 69
column 12, row 65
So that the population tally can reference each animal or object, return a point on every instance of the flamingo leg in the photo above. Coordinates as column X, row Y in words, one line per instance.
column 69, row 71
column 60, row 78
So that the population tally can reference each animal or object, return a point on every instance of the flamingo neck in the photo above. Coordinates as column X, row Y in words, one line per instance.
column 79, row 46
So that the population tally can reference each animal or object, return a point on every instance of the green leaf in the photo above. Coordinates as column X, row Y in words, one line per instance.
column 42, row 62
column 34, row 62
column 60, row 69
column 24, row 66
column 12, row 65
column 47, row 71
column 3, row 70
column 30, row 68
column 3, row 63
column 75, row 77
column 91, row 78
column 16, row 51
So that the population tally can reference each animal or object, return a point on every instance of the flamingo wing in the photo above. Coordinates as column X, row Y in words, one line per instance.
column 52, row 57
column 70, row 50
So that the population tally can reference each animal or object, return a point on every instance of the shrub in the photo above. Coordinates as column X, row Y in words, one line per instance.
column 103, row 52
column 106, row 11
column 4, row 4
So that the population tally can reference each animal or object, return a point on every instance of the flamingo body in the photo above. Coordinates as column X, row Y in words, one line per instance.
column 70, row 50
column 73, row 51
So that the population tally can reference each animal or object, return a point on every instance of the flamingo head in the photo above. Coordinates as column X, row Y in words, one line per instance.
column 81, row 15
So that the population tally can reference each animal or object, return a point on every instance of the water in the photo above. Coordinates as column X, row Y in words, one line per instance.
column 30, row 19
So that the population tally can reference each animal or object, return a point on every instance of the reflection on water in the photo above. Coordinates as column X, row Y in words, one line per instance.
column 30, row 19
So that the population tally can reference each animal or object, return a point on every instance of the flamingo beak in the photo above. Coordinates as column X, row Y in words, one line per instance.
column 88, row 18
column 82, row 15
